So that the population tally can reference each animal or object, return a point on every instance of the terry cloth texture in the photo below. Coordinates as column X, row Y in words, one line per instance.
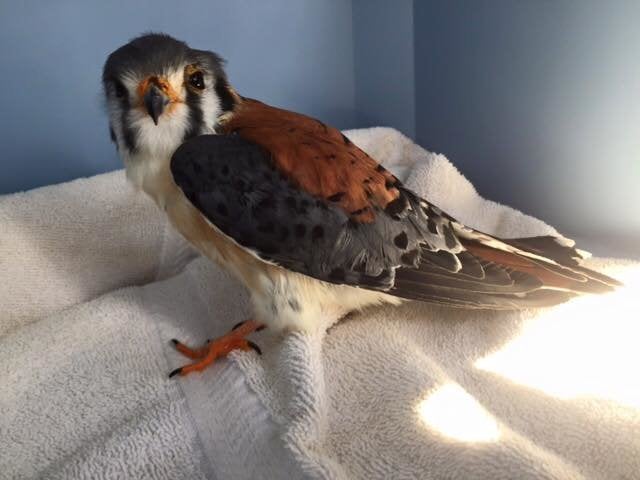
column 94, row 284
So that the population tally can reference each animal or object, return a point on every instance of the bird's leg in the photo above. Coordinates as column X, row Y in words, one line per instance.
column 219, row 347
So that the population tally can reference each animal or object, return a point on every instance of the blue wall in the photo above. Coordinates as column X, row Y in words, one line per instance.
column 384, row 64
column 293, row 53
column 538, row 103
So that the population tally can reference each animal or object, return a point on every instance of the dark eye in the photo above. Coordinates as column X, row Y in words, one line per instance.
column 196, row 80
column 119, row 89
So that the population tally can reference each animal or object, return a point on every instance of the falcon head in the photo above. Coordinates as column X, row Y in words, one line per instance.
column 159, row 93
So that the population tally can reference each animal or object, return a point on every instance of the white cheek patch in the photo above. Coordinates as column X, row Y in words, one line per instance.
column 210, row 105
column 131, row 83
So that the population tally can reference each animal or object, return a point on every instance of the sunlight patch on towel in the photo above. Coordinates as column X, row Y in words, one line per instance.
column 586, row 348
column 452, row 412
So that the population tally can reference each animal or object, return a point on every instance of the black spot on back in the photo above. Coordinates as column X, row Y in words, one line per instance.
column 300, row 230
column 222, row 209
column 401, row 240
column 284, row 233
column 266, row 202
column 360, row 211
column 290, row 201
column 396, row 207
column 336, row 197
column 317, row 232
column 431, row 225
column 449, row 237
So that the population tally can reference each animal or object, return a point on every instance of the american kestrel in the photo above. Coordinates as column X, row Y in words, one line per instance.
column 305, row 219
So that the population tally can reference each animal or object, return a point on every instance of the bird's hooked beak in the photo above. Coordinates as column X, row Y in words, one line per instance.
column 156, row 95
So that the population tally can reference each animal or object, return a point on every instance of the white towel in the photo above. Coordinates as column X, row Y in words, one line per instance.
column 94, row 284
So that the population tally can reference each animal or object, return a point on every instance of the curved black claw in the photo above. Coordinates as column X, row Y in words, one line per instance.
column 175, row 372
column 239, row 324
column 255, row 347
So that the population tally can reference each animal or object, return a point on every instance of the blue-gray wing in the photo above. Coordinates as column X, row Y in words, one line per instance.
column 235, row 185
column 410, row 249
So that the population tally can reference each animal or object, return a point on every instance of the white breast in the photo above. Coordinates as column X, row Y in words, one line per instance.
column 292, row 301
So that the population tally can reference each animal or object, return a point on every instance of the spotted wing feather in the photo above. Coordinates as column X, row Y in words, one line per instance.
column 237, row 187
column 409, row 248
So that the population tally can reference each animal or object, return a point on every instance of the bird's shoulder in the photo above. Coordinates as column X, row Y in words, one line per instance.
column 318, row 158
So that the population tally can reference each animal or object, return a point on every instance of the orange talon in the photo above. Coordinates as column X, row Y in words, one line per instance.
column 194, row 354
column 219, row 347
